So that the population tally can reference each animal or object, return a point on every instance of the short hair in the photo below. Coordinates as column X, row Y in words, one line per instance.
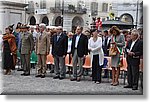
column 105, row 31
column 135, row 32
column 80, row 28
column 42, row 24
column 60, row 27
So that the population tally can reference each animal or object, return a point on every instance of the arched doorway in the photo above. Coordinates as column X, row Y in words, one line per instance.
column 127, row 18
column 32, row 21
column 77, row 21
column 45, row 20
column 58, row 21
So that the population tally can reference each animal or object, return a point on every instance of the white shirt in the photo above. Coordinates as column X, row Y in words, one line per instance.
column 77, row 40
column 96, row 49
column 133, row 42
column 69, row 45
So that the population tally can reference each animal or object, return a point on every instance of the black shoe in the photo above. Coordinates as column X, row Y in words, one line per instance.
column 52, row 71
column 73, row 79
column 20, row 70
column 42, row 76
column 68, row 72
column 56, row 77
column 134, row 88
column 38, row 75
column 26, row 74
column 61, row 78
column 128, row 86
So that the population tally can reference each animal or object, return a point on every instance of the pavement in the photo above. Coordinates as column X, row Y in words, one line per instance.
column 16, row 84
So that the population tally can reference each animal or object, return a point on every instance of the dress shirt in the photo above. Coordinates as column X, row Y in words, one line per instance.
column 77, row 40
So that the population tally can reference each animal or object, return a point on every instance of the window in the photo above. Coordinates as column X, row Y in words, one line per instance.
column 43, row 4
column 94, row 8
column 105, row 7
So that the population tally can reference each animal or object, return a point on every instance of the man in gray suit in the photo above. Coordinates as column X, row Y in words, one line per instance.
column 27, row 46
column 42, row 50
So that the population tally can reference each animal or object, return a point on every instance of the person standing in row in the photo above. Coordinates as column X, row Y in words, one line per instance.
column 118, row 42
column 9, row 50
column 70, row 35
column 79, row 50
column 27, row 46
column 42, row 50
column 97, row 56
column 59, row 52
column 134, row 50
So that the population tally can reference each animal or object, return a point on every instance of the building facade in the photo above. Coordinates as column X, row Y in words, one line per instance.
column 73, row 12
column 11, row 12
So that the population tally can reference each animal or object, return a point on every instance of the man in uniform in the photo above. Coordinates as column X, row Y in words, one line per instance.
column 27, row 45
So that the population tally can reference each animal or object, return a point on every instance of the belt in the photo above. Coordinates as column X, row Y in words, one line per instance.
column 75, row 48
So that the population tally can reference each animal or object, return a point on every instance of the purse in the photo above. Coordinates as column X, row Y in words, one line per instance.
column 112, row 51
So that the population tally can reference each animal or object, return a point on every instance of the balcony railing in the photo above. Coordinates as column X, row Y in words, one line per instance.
column 75, row 10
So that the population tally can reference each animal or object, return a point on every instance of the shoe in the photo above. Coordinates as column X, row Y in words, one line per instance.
column 26, row 74
column 112, row 83
column 115, row 84
column 67, row 72
column 61, row 78
column 78, row 79
column 98, row 82
column 38, row 75
column 56, row 77
column 42, row 76
column 52, row 71
column 128, row 86
column 20, row 70
column 73, row 79
column 134, row 88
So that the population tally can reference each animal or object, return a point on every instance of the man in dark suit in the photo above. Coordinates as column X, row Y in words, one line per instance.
column 134, row 50
column 79, row 50
column 59, row 52
column 106, row 45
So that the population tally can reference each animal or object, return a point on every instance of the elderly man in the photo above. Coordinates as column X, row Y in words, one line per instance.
column 42, row 50
column 134, row 50
column 59, row 51
column 27, row 46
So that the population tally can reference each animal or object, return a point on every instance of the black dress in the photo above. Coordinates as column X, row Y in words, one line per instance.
column 8, row 58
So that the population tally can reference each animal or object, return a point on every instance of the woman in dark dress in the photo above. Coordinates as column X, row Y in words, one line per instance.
column 9, row 50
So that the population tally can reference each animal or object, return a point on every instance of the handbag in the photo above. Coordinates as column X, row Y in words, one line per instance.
column 112, row 51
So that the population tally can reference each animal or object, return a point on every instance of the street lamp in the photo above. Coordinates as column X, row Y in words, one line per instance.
column 62, row 13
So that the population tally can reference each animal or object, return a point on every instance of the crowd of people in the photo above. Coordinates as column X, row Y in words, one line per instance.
column 42, row 41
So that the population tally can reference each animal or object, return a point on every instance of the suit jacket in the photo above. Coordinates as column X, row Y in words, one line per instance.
column 106, row 47
column 137, row 49
column 43, row 43
column 82, row 47
column 59, row 48
column 27, row 43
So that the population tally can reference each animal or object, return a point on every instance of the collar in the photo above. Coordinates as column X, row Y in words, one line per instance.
column 134, row 40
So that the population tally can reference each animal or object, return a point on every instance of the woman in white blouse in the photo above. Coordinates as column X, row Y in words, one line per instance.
column 97, row 56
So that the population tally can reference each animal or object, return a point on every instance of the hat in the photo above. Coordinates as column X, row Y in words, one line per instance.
column 25, row 27
column 10, row 27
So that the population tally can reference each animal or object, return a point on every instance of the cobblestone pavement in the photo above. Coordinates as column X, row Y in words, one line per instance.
column 17, row 84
